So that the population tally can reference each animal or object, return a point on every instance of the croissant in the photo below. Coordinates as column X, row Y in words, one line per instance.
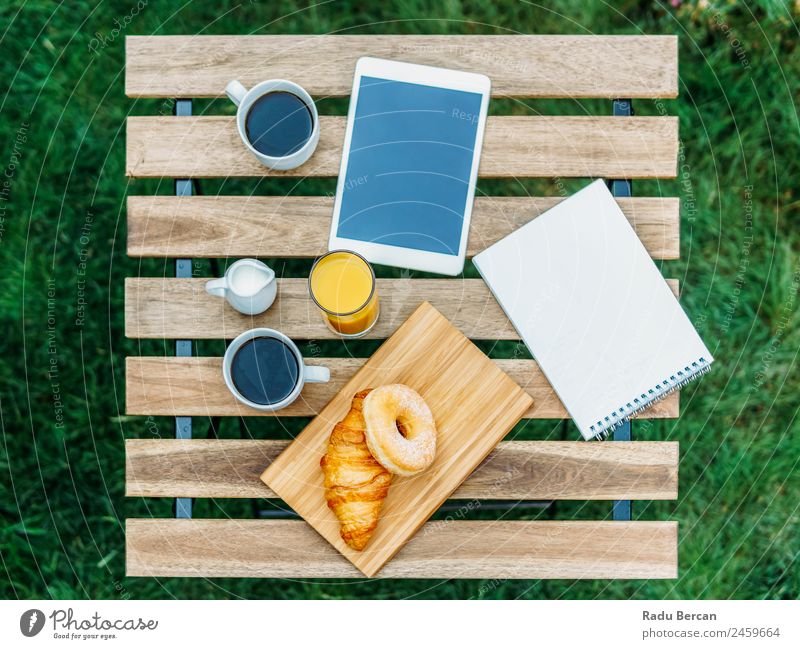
column 355, row 484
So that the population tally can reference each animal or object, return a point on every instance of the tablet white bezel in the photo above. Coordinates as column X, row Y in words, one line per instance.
column 428, row 76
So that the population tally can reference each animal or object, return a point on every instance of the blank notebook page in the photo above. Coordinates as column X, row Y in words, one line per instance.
column 594, row 310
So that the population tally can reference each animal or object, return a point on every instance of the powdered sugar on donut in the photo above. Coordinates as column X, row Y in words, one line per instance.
column 383, row 407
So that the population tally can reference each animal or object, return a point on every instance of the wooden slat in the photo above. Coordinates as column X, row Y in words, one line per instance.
column 519, row 470
column 178, row 386
column 634, row 147
column 181, row 308
column 298, row 226
column 476, row 406
column 440, row 550
column 521, row 66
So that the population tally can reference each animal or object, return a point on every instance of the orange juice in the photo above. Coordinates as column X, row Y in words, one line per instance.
column 343, row 285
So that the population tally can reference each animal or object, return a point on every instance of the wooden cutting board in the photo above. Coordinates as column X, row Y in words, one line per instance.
column 473, row 402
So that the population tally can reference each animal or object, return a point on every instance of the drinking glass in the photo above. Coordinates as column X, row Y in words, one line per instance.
column 342, row 285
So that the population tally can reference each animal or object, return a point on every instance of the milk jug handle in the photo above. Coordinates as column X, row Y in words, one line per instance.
column 216, row 287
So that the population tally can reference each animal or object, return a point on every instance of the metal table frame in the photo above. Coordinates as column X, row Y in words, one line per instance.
column 621, row 509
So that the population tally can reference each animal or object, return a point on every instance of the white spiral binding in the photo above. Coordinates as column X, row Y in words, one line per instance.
column 608, row 424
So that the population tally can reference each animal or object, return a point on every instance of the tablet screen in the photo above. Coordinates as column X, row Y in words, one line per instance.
column 408, row 169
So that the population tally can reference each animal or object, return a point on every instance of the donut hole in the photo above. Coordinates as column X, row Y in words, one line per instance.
column 401, row 427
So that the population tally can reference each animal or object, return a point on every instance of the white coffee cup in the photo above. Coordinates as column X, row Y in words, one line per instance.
column 245, row 99
column 305, row 373
column 249, row 286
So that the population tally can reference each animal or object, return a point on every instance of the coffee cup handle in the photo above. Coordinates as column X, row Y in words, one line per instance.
column 216, row 287
column 236, row 92
column 317, row 374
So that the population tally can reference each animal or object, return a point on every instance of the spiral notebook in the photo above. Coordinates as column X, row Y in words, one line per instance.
column 594, row 310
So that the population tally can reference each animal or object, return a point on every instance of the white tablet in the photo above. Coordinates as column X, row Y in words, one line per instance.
column 409, row 165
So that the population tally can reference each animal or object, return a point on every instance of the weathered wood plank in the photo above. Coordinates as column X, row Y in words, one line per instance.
column 440, row 550
column 178, row 386
column 610, row 147
column 476, row 406
column 180, row 308
column 519, row 65
column 298, row 226
column 518, row 470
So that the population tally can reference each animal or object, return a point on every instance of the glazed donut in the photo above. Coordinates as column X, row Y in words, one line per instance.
column 400, row 431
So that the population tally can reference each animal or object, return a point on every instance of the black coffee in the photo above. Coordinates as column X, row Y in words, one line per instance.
column 278, row 124
column 265, row 370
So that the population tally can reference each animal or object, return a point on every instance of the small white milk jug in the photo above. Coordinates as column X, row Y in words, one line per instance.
column 249, row 286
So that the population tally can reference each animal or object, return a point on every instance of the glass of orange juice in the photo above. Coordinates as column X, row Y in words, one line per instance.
column 342, row 285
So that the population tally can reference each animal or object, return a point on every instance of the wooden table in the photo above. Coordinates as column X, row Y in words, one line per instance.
column 190, row 388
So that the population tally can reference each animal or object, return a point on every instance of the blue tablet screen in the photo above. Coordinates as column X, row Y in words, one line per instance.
column 407, row 178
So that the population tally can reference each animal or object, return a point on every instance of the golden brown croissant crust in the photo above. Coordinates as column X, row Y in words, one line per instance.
column 355, row 484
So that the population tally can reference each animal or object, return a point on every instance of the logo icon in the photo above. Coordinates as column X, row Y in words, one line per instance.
column 31, row 622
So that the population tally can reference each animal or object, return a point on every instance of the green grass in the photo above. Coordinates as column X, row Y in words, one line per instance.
column 63, row 112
